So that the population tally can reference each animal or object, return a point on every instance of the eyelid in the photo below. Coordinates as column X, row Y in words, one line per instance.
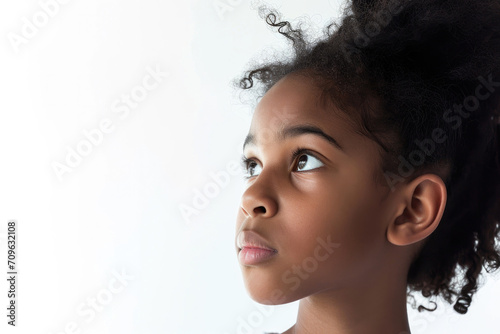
column 301, row 150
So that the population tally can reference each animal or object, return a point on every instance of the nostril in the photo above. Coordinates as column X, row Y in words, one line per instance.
column 260, row 209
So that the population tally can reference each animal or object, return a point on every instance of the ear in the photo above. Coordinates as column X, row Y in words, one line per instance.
column 421, row 207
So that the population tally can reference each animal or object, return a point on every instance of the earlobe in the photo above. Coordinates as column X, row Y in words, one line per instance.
column 423, row 201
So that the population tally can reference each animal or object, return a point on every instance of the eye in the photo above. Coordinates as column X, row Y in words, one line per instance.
column 249, row 166
column 307, row 161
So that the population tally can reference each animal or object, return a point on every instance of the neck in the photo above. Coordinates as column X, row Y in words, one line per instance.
column 375, row 305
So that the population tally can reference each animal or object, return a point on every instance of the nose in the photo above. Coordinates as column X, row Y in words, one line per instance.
column 259, row 199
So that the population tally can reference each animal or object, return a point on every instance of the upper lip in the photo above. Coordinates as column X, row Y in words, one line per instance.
column 252, row 239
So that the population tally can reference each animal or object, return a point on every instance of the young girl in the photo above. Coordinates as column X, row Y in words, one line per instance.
column 373, row 165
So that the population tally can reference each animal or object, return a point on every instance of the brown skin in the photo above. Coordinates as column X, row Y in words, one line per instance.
column 359, row 288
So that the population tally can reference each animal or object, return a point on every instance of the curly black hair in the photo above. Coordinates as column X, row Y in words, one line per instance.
column 422, row 79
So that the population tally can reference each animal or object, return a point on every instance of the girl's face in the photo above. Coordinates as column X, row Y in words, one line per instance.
column 321, row 210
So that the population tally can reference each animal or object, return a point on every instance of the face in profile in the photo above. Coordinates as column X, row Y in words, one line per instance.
column 310, row 199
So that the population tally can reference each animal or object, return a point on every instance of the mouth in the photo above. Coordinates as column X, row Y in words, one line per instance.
column 253, row 248
column 252, row 239
column 255, row 255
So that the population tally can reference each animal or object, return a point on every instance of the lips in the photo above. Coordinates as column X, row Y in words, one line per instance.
column 253, row 249
column 251, row 239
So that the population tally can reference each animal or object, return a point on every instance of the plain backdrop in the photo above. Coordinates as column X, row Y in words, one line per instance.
column 115, row 118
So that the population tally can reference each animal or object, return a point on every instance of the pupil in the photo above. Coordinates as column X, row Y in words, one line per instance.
column 251, row 167
column 302, row 161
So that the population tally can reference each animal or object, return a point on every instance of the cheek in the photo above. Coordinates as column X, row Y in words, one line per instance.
column 361, row 235
column 339, row 229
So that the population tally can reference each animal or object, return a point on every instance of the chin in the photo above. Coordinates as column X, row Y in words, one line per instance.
column 270, row 296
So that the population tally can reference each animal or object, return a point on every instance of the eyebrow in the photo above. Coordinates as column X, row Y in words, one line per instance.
column 294, row 131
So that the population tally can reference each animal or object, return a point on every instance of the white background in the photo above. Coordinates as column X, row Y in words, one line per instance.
column 118, row 209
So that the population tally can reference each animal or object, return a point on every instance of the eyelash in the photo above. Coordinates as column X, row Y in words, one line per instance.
column 300, row 150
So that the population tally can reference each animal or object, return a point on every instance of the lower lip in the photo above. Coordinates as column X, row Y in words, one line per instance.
column 249, row 256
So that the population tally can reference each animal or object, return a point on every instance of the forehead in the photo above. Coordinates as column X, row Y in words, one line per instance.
column 294, row 100
column 292, row 96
